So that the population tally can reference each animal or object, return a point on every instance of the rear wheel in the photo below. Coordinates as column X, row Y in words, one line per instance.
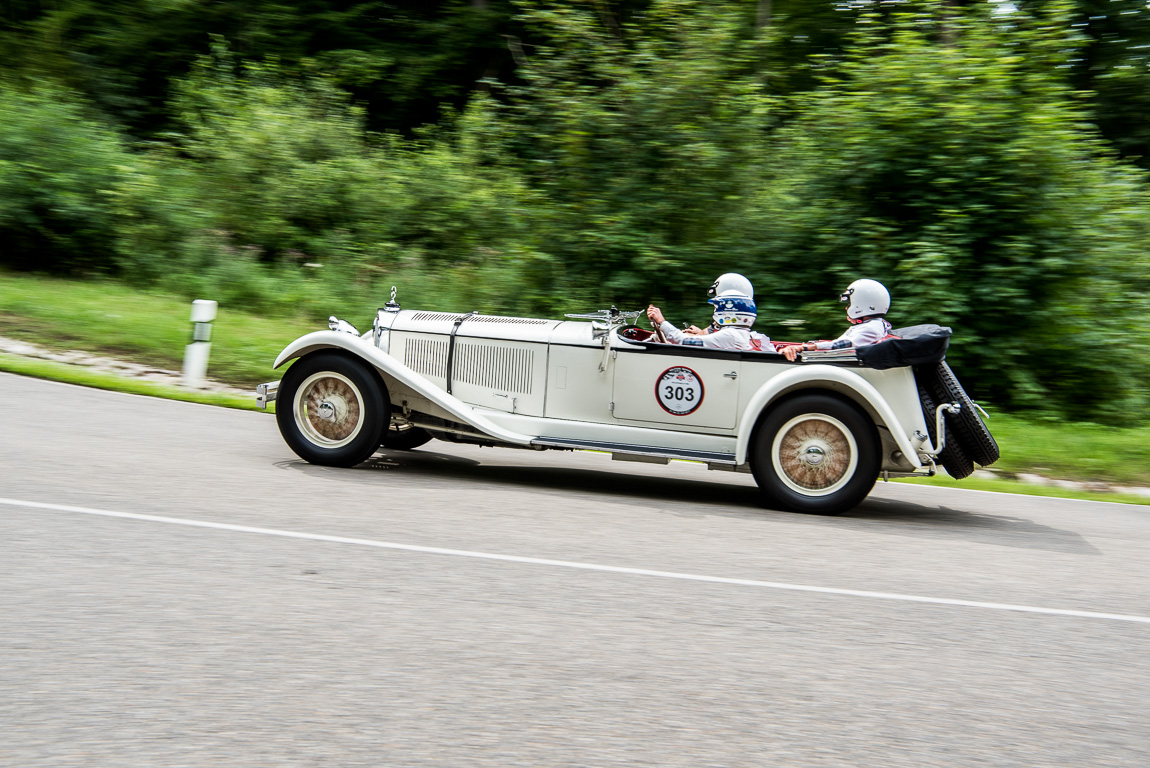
column 815, row 454
column 331, row 410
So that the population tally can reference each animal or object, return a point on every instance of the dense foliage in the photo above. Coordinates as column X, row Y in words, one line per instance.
column 984, row 160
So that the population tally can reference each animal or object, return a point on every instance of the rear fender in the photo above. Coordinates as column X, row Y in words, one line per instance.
column 391, row 368
column 840, row 380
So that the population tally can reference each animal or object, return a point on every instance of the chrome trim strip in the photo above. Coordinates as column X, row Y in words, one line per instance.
column 636, row 450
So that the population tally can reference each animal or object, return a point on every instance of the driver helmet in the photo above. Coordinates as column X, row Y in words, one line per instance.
column 731, row 281
column 734, row 309
column 866, row 298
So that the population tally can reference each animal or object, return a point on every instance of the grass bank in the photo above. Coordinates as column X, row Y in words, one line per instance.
column 153, row 328
column 140, row 326
column 73, row 374
column 1006, row 485
column 1072, row 450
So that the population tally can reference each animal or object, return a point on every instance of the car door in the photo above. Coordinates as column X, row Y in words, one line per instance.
column 676, row 386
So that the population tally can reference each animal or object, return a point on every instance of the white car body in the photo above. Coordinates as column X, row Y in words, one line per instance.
column 547, row 384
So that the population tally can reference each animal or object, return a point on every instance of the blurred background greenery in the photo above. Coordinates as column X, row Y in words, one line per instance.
column 987, row 161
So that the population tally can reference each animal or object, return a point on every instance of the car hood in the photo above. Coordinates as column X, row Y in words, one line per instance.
column 527, row 329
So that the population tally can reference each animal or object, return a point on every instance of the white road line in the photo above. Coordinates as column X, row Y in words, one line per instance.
column 577, row 565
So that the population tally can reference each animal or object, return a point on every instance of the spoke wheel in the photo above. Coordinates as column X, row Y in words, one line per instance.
column 815, row 453
column 335, row 408
column 329, row 409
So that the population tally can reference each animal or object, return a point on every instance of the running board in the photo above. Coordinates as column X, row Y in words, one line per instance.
column 710, row 457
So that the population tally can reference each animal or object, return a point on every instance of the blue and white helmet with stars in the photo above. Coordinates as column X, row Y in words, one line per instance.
column 734, row 309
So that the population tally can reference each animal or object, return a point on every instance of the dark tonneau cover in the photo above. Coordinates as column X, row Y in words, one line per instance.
column 916, row 345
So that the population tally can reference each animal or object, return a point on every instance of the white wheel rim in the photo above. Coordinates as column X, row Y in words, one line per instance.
column 814, row 454
column 328, row 409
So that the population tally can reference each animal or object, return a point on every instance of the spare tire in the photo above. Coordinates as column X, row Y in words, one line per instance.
column 953, row 458
column 968, row 427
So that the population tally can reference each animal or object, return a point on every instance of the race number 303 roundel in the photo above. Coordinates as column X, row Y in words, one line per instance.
column 679, row 391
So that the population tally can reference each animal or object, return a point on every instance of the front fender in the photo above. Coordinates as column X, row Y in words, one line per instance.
column 355, row 345
column 821, row 377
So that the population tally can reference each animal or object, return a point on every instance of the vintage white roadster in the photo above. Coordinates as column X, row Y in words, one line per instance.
column 816, row 433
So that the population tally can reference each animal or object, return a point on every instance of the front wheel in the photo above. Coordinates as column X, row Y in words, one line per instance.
column 331, row 410
column 815, row 454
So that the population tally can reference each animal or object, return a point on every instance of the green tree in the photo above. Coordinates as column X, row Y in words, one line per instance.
column 641, row 132
column 1112, row 66
column 291, row 178
column 59, row 171
column 403, row 59
column 960, row 170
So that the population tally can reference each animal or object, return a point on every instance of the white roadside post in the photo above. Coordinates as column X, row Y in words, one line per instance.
column 196, row 353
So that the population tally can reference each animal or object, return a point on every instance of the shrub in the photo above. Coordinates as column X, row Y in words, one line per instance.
column 950, row 161
column 59, row 173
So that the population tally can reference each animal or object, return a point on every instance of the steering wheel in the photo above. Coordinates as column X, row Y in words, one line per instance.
column 612, row 315
column 635, row 333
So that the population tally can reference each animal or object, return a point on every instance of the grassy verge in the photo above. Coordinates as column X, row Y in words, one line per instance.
column 153, row 328
column 1026, row 489
column 140, row 326
column 74, row 374
column 1073, row 451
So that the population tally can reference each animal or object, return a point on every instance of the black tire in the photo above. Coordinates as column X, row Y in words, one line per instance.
column 953, row 458
column 404, row 439
column 331, row 409
column 815, row 454
column 968, row 427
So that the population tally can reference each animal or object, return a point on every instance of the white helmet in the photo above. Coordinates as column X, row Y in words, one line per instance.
column 867, row 298
column 732, row 281
column 734, row 309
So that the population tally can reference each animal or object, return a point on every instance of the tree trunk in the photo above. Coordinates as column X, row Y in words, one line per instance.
column 763, row 15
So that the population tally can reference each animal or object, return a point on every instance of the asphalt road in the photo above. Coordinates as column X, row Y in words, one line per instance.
column 462, row 606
